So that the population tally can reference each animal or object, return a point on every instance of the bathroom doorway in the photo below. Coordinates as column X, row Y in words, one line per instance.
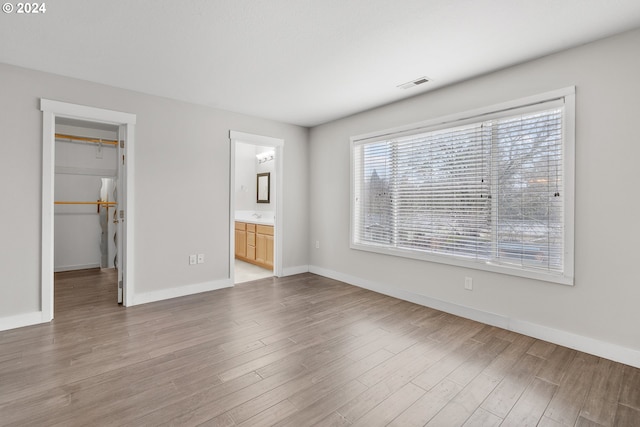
column 256, row 197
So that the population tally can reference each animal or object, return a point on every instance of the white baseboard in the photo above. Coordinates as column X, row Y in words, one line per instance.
column 180, row 291
column 290, row 271
column 20, row 320
column 75, row 267
column 582, row 343
column 603, row 349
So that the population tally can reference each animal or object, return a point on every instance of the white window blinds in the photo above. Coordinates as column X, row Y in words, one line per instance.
column 487, row 191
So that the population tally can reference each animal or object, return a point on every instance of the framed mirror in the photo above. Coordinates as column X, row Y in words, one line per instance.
column 264, row 187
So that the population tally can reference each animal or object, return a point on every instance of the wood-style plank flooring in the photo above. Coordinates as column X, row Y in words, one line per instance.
column 296, row 351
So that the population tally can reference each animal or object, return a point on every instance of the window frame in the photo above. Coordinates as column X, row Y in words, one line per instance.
column 532, row 103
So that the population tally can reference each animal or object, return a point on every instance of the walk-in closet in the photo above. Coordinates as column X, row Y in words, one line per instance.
column 85, row 213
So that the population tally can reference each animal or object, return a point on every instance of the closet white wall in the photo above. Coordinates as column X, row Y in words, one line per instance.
column 80, row 168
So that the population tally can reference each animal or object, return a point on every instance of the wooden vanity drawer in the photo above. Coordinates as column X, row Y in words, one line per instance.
column 265, row 229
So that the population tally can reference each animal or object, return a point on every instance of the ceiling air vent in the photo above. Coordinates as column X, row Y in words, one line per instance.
column 413, row 83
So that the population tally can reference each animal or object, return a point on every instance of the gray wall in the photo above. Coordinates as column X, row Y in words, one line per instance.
column 604, row 305
column 182, row 193
column 181, row 184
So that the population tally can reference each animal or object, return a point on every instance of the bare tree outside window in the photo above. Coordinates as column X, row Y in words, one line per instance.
column 489, row 191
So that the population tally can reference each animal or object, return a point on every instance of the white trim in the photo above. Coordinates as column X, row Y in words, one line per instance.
column 599, row 348
column 290, row 271
column 569, row 167
column 50, row 110
column 75, row 267
column 180, row 291
column 278, row 221
column 83, row 112
column 564, row 96
column 21, row 320
column 48, row 192
column 459, row 262
column 469, row 114
column 459, row 310
column 255, row 139
column 129, row 225
column 582, row 343
column 232, row 204
column 279, row 213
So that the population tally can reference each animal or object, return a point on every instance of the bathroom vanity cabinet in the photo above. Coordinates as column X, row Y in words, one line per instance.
column 254, row 243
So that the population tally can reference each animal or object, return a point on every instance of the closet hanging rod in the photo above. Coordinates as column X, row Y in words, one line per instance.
column 85, row 203
column 86, row 139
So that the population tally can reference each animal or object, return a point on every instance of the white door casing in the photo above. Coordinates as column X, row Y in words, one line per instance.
column 278, row 145
column 126, row 121
column 119, row 217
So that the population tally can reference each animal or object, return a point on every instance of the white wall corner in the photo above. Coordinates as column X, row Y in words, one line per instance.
column 21, row 320
column 582, row 343
column 180, row 291
column 290, row 271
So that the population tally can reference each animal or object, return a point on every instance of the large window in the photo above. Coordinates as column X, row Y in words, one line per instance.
column 491, row 189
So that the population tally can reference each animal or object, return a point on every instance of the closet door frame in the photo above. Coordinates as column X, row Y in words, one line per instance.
column 50, row 110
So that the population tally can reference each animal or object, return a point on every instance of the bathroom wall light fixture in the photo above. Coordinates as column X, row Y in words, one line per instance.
column 266, row 156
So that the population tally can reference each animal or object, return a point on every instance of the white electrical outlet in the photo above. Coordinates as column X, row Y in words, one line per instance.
column 317, row 244
column 200, row 258
column 192, row 259
column 468, row 283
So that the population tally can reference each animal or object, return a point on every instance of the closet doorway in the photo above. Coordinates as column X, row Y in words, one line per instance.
column 86, row 238
column 255, row 207
column 87, row 206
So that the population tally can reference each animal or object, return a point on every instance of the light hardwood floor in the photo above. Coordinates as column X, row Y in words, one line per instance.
column 296, row 351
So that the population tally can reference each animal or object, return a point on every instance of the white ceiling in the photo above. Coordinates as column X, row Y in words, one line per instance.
column 298, row 61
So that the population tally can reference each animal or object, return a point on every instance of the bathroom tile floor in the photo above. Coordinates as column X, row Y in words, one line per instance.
column 245, row 272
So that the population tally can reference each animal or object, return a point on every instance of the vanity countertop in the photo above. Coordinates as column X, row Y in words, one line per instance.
column 262, row 218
